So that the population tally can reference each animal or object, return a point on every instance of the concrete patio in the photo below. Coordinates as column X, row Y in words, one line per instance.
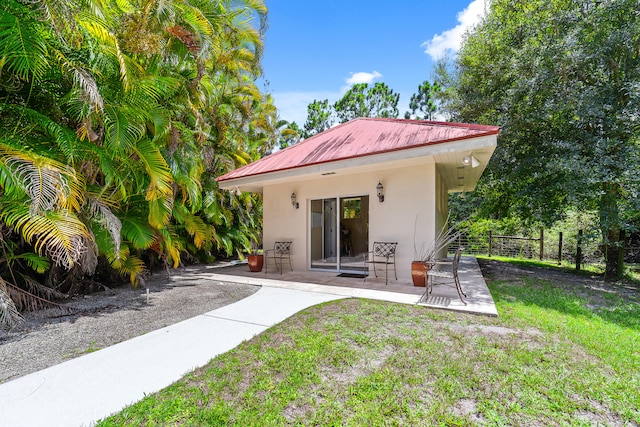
column 479, row 300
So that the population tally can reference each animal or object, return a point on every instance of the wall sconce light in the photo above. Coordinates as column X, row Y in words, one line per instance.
column 470, row 161
column 380, row 187
column 294, row 202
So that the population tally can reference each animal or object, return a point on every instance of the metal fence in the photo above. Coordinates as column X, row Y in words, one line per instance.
column 548, row 245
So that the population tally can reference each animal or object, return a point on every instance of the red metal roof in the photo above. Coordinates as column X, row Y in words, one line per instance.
column 358, row 138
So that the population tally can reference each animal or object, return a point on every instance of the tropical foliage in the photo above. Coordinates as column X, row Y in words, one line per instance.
column 561, row 78
column 115, row 118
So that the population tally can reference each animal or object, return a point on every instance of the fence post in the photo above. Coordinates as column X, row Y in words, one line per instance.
column 490, row 242
column 560, row 248
column 579, row 250
column 541, row 243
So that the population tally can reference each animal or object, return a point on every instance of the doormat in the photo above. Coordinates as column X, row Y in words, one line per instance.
column 353, row 275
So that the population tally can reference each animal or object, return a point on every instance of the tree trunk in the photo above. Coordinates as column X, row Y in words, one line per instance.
column 612, row 233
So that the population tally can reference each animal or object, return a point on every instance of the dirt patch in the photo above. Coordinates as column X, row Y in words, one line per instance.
column 593, row 289
column 112, row 316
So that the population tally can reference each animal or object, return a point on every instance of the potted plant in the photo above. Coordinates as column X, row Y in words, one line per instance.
column 425, row 256
column 255, row 258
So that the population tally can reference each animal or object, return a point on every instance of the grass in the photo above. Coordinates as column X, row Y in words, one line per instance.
column 551, row 358
column 631, row 273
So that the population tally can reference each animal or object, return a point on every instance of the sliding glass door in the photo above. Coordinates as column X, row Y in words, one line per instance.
column 339, row 233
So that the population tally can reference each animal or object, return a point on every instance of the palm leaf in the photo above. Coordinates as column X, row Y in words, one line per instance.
column 195, row 226
column 37, row 288
column 10, row 317
column 196, row 19
column 171, row 246
column 38, row 263
column 83, row 80
column 157, row 169
column 129, row 69
column 138, row 232
column 24, row 51
column 122, row 129
column 58, row 235
column 64, row 137
column 160, row 211
column 127, row 265
column 49, row 184
column 27, row 301
column 98, row 211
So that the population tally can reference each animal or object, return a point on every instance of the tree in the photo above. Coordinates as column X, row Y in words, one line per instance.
column 362, row 101
column 561, row 79
column 116, row 117
column 424, row 102
column 288, row 133
column 319, row 118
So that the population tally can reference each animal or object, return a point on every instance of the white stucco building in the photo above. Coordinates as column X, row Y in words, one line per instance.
column 334, row 178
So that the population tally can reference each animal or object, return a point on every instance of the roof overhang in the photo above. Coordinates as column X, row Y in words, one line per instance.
column 449, row 158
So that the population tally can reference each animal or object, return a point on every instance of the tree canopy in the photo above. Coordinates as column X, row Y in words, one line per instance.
column 364, row 101
column 561, row 78
column 115, row 118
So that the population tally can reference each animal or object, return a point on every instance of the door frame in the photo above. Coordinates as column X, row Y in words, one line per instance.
column 337, row 219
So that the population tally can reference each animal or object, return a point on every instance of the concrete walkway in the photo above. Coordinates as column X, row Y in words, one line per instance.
column 83, row 390
column 478, row 301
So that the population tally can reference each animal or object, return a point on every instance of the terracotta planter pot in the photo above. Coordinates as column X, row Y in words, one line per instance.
column 419, row 273
column 255, row 262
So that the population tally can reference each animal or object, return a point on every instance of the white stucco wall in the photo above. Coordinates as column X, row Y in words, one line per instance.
column 410, row 200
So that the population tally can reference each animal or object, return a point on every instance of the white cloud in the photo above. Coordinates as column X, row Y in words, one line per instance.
column 450, row 40
column 362, row 77
column 292, row 106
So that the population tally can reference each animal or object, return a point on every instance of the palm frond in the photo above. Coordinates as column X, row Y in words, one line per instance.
column 196, row 19
column 10, row 317
column 128, row 265
column 27, row 301
column 83, row 80
column 98, row 211
column 23, row 50
column 195, row 226
column 38, row 263
column 122, row 131
column 171, row 246
column 129, row 69
column 160, row 211
column 157, row 170
column 49, row 184
column 58, row 235
column 37, row 288
column 137, row 232
column 63, row 137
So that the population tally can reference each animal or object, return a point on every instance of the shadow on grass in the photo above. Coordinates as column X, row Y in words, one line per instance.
column 570, row 296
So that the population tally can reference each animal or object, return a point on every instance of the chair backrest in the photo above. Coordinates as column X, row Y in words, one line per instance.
column 384, row 249
column 282, row 248
column 456, row 258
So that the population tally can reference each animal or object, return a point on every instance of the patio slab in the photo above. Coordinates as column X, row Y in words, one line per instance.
column 479, row 300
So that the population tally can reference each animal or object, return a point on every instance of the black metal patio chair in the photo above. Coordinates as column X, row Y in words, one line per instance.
column 383, row 255
column 280, row 253
column 440, row 276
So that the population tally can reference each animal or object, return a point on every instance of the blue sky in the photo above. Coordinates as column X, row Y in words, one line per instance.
column 316, row 49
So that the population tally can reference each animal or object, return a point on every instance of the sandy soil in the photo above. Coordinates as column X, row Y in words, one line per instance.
column 106, row 318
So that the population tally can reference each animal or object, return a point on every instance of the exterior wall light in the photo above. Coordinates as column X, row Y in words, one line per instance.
column 380, row 187
column 470, row 161
column 294, row 202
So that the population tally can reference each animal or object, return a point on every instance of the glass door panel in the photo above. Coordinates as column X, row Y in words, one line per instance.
column 324, row 237
column 354, row 233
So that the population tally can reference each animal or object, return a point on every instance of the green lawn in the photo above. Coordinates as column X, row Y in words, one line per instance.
column 551, row 358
